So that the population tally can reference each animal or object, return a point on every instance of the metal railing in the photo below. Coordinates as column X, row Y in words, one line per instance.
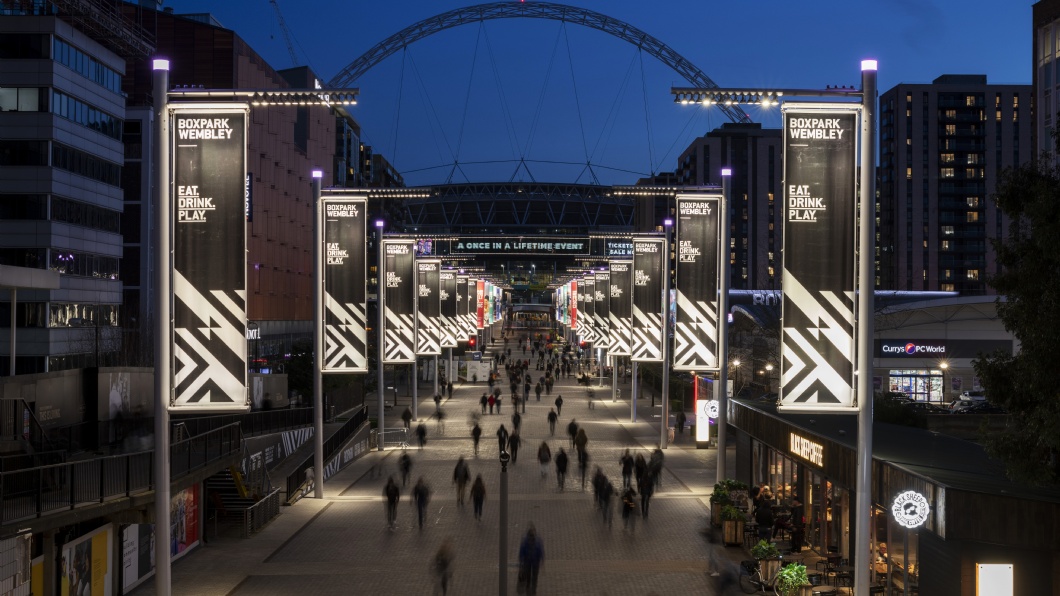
column 257, row 515
column 331, row 446
column 35, row 492
column 254, row 423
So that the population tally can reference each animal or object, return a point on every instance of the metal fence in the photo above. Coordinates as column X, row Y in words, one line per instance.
column 331, row 446
column 253, row 423
column 35, row 492
column 257, row 515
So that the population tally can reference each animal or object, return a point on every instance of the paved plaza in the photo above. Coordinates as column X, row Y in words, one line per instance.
column 341, row 544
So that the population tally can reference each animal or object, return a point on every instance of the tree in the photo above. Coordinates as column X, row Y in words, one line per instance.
column 1027, row 383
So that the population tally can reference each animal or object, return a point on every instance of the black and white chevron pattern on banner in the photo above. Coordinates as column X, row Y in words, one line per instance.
column 621, row 305
column 647, row 324
column 399, row 322
column 461, row 320
column 209, row 258
column 601, row 310
column 428, row 308
column 472, row 307
column 345, row 296
column 586, row 306
column 696, row 325
column 818, row 336
column 447, row 300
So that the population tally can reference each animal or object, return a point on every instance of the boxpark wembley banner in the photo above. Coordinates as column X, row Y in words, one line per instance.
column 209, row 152
column 428, row 308
column 621, row 304
column 462, row 301
column 817, row 339
column 447, row 300
column 344, row 272
column 586, row 294
column 399, row 319
column 697, row 321
column 601, row 310
column 474, row 303
column 647, row 323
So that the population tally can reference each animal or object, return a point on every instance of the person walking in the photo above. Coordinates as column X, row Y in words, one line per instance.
column 640, row 465
column 421, row 496
column 478, row 495
column 450, row 390
column 629, row 508
column 561, row 468
column 405, row 465
column 499, row 400
column 461, row 476
column 552, row 419
column 514, row 442
column 437, row 400
column 581, row 440
column 406, row 417
column 517, row 421
column 421, row 434
column 443, row 565
column 492, row 401
column 483, row 401
column 626, row 461
column 583, row 464
column 647, row 489
column 559, row 405
column 538, row 389
column 544, row 457
column 392, row 495
column 531, row 555
column 502, row 439
column 476, row 434
column 681, row 418
column 572, row 431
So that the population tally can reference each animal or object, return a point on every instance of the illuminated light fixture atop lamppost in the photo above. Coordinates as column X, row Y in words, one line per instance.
column 318, row 173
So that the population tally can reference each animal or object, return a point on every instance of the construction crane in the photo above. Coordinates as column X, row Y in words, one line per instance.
column 286, row 33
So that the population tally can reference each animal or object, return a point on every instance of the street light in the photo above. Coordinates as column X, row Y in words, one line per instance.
column 664, row 427
column 944, row 366
column 769, row 378
column 381, row 305
column 736, row 374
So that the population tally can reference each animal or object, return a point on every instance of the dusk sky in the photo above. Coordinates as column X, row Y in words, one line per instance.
column 443, row 96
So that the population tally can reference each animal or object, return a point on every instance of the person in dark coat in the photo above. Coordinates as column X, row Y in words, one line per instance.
column 561, row 467
column 421, row 495
column 559, row 405
column 478, row 496
column 629, row 507
column 406, row 417
column 483, row 401
column 647, row 489
column 764, row 518
column 514, row 442
column 544, row 457
column 572, row 430
column 461, row 476
column 405, row 464
column 476, row 434
column 681, row 418
column 552, row 419
column 392, row 496
column 421, row 434
column 626, row 461
column 531, row 555
column 502, row 439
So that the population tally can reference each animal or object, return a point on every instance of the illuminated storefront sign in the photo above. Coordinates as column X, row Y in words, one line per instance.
column 807, row 450
column 910, row 509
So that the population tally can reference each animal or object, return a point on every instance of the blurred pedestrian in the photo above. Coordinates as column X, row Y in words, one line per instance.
column 478, row 496
column 544, row 457
column 440, row 416
column 647, row 489
column 499, row 400
column 450, row 390
column 483, row 401
column 492, row 401
column 405, row 465
column 517, row 420
column 461, row 476
column 406, row 417
column 514, row 442
column 531, row 555
column 561, row 467
column 583, row 464
column 559, row 405
column 626, row 461
column 443, row 565
column 581, row 440
column 552, row 418
column 392, row 496
column 437, row 400
column 421, row 496
column 681, row 418
column 572, row 431
column 629, row 508
column 421, row 434
column 502, row 439
column 476, row 434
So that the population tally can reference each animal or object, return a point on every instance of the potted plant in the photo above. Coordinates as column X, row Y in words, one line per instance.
column 718, row 499
column 768, row 556
column 732, row 523
column 791, row 580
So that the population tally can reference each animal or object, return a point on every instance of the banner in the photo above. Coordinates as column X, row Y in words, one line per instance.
column 697, row 323
column 86, row 567
column 621, row 308
column 209, row 329
column 447, row 299
column 818, row 335
column 601, row 310
column 428, row 308
column 480, row 304
column 572, row 306
column 473, row 304
column 587, row 297
column 345, row 272
column 647, row 323
column 462, row 331
column 399, row 321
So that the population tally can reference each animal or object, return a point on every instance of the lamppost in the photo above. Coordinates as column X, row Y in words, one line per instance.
column 664, row 425
column 769, row 378
column 502, row 571
column 736, row 377
column 380, row 302
column 944, row 366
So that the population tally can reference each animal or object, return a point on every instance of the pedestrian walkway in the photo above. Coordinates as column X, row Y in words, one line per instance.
column 341, row 545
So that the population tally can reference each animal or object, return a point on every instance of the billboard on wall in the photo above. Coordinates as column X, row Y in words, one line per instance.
column 621, row 308
column 601, row 310
column 697, row 325
column 480, row 304
column 462, row 302
column 344, row 271
column 647, row 321
column 209, row 153
column 137, row 540
column 447, row 301
column 428, row 308
column 818, row 334
column 572, row 304
column 587, row 296
column 399, row 320
column 86, row 566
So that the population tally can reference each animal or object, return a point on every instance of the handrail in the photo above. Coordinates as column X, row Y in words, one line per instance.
column 40, row 428
column 35, row 492
column 331, row 446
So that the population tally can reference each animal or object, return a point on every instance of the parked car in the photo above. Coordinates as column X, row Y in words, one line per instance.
column 923, row 407
column 962, row 404
column 982, row 407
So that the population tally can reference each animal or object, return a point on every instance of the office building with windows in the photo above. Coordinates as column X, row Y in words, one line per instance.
column 943, row 147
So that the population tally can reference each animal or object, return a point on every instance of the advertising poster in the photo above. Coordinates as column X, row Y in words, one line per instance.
column 572, row 299
column 447, row 303
column 462, row 302
column 586, row 295
column 84, row 566
column 428, row 308
column 480, row 304
column 697, row 326
column 817, row 338
column 601, row 310
column 471, row 319
column 399, row 320
column 345, row 273
column 647, row 321
column 620, row 307
column 209, row 152
column 138, row 540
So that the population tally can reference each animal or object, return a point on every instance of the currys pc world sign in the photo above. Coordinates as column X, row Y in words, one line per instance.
column 912, row 348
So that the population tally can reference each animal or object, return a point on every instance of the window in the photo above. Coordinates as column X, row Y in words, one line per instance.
column 950, row 113
column 946, row 158
column 947, row 230
column 951, row 129
column 947, row 273
column 945, row 245
column 84, row 264
column 86, row 66
column 83, row 164
column 22, row 99
column 973, row 158
column 78, row 111
column 908, row 173
column 973, row 216
column 946, row 172
column 973, row 274
column 23, row 153
column 969, row 100
column 947, row 287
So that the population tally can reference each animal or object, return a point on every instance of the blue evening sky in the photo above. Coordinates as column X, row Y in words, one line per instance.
column 503, row 90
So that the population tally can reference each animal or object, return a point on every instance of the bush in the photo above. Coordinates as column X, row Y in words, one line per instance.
column 791, row 578
column 731, row 513
column 765, row 550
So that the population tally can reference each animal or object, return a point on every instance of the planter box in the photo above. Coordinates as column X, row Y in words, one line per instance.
column 732, row 532
column 770, row 568
column 715, row 514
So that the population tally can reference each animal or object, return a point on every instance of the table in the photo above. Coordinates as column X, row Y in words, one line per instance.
column 823, row 590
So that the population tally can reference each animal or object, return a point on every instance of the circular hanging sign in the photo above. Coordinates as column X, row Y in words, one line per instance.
column 713, row 409
column 910, row 509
